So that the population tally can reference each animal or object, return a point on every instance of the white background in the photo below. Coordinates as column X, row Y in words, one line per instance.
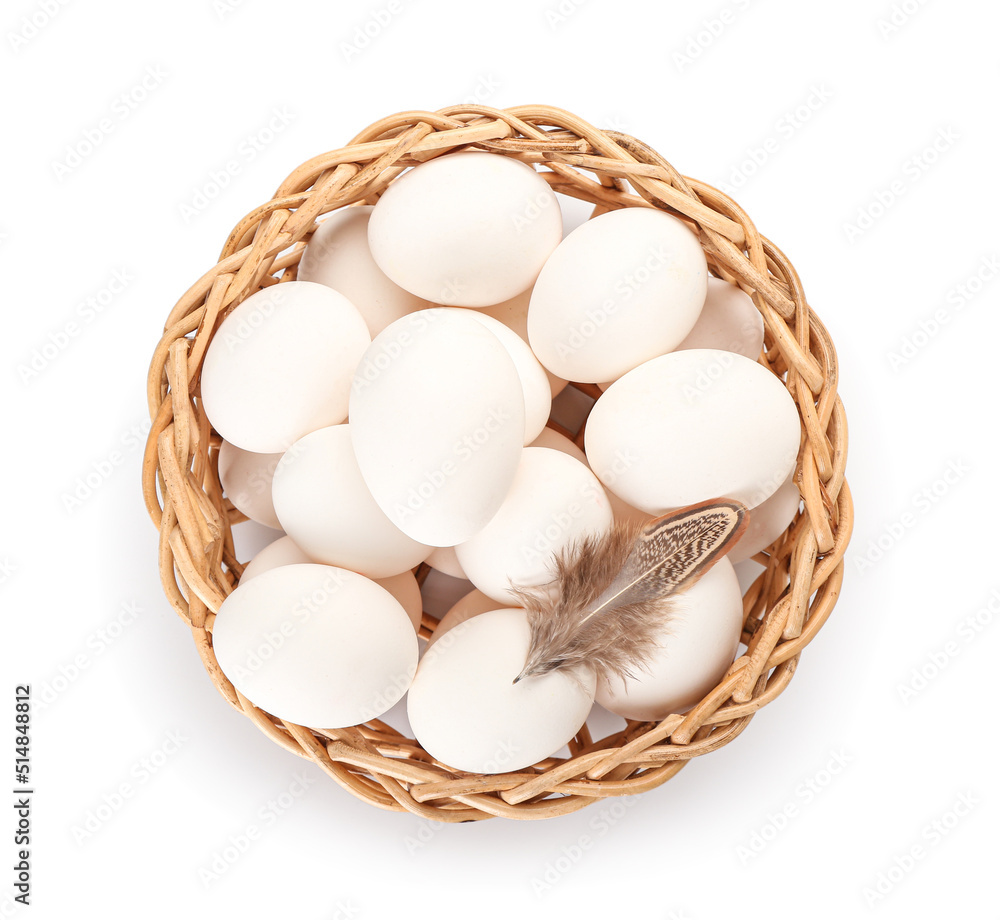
column 841, row 114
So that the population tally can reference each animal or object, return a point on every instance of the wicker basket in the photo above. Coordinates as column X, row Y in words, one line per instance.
column 785, row 607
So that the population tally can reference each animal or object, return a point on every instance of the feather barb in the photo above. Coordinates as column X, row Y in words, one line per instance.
column 611, row 596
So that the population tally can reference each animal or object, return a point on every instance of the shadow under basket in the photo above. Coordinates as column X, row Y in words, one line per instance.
column 784, row 608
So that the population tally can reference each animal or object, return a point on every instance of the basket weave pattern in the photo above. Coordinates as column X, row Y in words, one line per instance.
column 785, row 607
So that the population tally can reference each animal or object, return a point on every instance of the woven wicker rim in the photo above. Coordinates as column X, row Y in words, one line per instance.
column 785, row 607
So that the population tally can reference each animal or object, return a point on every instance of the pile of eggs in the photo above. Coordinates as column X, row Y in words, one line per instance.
column 389, row 408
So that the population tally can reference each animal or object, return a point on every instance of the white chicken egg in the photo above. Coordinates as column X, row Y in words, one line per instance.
column 696, row 647
column 691, row 426
column 729, row 321
column 466, row 229
column 622, row 288
column 466, row 711
column 467, row 607
column 513, row 314
column 437, row 423
column 534, row 383
column 283, row 551
column 316, row 645
column 338, row 256
column 553, row 439
column 621, row 510
column 324, row 505
column 443, row 559
column 553, row 502
column 246, row 480
column 280, row 365
column 768, row 521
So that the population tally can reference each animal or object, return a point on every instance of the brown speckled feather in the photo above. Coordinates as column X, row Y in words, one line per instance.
column 611, row 595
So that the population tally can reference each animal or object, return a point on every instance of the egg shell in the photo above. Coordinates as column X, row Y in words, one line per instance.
column 729, row 321
column 622, row 288
column 626, row 513
column 466, row 711
column 324, row 505
column 338, row 256
column 513, row 314
column 467, row 229
column 444, row 559
column 249, row 538
column 316, row 645
column 553, row 501
column 284, row 551
column 691, row 426
column 534, row 383
column 768, row 521
column 405, row 588
column 620, row 510
column 471, row 605
column 437, row 422
column 280, row 365
column 748, row 572
column 556, row 441
column 696, row 647
column 246, row 481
